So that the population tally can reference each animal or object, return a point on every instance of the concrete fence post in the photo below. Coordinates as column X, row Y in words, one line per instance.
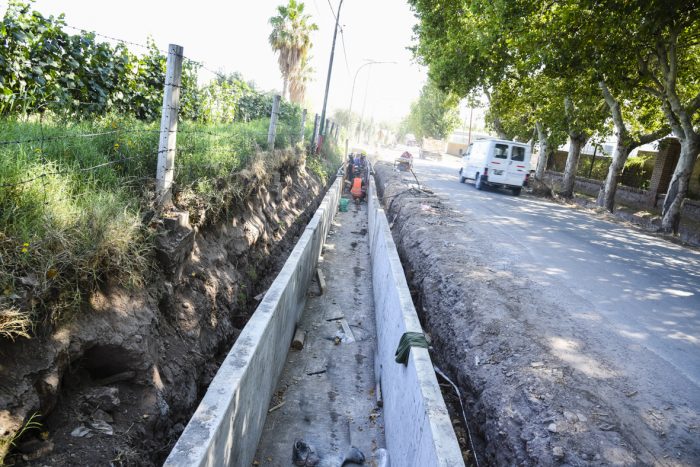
column 273, row 122
column 303, row 125
column 314, row 135
column 168, row 123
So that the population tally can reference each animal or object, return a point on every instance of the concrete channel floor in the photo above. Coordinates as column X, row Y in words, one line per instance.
column 326, row 394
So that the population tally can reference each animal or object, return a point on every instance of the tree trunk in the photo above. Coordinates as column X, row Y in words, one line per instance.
column 285, row 85
column 544, row 152
column 576, row 143
column 671, row 216
column 606, row 197
column 498, row 126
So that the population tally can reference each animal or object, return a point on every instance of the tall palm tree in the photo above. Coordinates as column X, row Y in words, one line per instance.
column 291, row 38
column 298, row 81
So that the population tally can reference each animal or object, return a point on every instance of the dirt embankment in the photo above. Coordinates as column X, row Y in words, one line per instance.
column 538, row 390
column 119, row 383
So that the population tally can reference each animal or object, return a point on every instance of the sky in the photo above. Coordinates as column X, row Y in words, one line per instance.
column 233, row 36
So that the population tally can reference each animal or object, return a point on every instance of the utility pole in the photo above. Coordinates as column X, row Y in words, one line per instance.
column 330, row 69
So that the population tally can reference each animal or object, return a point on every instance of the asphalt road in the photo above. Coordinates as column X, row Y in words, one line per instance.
column 640, row 288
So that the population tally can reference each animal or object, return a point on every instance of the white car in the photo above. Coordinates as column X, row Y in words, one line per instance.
column 496, row 162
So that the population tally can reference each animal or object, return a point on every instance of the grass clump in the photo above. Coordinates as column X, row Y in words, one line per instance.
column 8, row 442
column 325, row 164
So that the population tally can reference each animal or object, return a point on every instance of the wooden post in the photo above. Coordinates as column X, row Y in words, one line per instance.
column 273, row 123
column 303, row 125
column 168, row 123
column 299, row 338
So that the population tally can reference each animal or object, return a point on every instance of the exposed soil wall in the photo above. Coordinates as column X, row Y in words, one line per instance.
column 539, row 390
column 119, row 382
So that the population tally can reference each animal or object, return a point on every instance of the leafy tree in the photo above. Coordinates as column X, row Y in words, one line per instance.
column 637, row 122
column 584, row 116
column 345, row 118
column 646, row 58
column 465, row 44
column 668, row 67
column 434, row 114
column 585, row 38
column 532, row 104
column 291, row 39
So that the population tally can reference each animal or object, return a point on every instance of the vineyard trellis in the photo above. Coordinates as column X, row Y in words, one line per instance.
column 79, row 143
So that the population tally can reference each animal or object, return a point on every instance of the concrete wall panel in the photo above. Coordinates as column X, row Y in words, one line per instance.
column 417, row 426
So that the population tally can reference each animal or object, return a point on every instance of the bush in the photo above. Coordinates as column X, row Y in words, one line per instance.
column 637, row 171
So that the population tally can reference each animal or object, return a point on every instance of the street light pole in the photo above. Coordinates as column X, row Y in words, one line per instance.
column 352, row 93
column 330, row 69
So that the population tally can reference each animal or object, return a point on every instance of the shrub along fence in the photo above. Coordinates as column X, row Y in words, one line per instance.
column 636, row 173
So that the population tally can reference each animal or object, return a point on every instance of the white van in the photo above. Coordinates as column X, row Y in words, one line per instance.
column 496, row 162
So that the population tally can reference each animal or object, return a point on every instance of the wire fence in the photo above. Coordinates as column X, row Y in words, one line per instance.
column 81, row 164
column 44, row 145
column 64, row 147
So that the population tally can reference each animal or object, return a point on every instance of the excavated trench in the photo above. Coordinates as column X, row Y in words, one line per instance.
column 497, row 334
column 117, row 385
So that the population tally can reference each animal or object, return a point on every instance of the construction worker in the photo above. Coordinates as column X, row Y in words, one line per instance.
column 349, row 169
column 358, row 190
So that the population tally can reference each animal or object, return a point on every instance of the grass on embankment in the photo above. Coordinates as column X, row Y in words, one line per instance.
column 65, row 226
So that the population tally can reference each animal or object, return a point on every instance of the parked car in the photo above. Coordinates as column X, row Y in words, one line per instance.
column 496, row 162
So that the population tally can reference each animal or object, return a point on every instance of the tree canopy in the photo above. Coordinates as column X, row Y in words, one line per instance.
column 574, row 66
column 291, row 39
column 433, row 115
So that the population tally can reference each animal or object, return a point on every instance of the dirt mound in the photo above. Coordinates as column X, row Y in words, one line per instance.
column 539, row 390
column 119, row 383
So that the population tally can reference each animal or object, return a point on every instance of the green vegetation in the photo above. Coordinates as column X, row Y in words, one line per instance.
column 44, row 69
column 433, row 115
column 79, row 131
column 64, row 229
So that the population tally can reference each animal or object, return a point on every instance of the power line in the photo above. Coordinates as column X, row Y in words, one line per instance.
column 345, row 54
column 332, row 10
